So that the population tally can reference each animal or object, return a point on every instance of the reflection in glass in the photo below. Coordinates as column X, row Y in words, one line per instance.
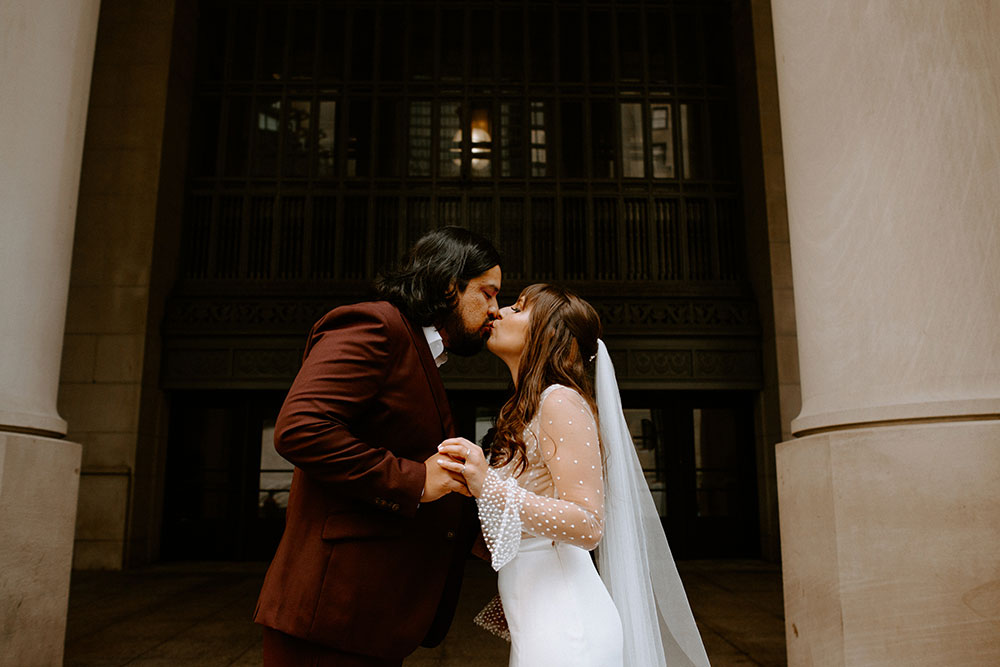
column 539, row 155
column 660, row 58
column 325, row 135
column 644, row 436
column 265, row 145
column 359, row 138
column 481, row 139
column 297, row 138
column 331, row 43
column 420, row 139
column 511, row 140
column 392, row 40
column 602, row 118
column 275, row 476
column 540, row 44
column 272, row 45
column 661, row 124
column 632, row 141
column 691, row 131
column 450, row 133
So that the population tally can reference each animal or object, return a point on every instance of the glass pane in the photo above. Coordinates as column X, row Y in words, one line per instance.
column 643, row 431
column 511, row 46
column 602, row 117
column 481, row 139
column 599, row 27
column 632, row 141
column 540, row 44
column 512, row 237
column 630, row 45
column 717, row 434
column 511, row 140
column 449, row 140
column 482, row 44
column 452, row 42
column 721, row 125
column 212, row 42
column 275, row 476
column 359, row 138
column 539, row 140
column 662, row 145
column 244, row 41
column 692, row 155
column 571, row 156
column 331, row 43
column 265, row 143
column 272, row 51
column 543, row 239
column 325, row 136
column 237, row 131
column 393, row 40
column 303, row 43
column 298, row 138
column 718, row 48
column 362, row 42
column 570, row 49
column 420, row 139
column 688, row 48
column 660, row 40
column 421, row 59
column 386, row 158
column 204, row 135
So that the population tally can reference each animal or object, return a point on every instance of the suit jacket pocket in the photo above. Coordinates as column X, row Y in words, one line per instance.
column 355, row 525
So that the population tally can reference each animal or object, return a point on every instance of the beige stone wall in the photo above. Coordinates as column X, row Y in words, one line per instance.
column 101, row 390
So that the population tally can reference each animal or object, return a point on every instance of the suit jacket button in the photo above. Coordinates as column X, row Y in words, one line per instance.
column 450, row 535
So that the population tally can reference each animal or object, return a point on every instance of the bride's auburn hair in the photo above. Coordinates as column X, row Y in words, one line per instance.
column 560, row 349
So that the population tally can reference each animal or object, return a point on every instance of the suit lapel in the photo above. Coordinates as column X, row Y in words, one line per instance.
column 433, row 375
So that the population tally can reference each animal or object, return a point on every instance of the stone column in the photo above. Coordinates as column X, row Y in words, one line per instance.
column 46, row 54
column 890, row 496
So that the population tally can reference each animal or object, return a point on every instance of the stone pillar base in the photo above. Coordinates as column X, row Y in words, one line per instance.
column 38, row 488
column 890, row 539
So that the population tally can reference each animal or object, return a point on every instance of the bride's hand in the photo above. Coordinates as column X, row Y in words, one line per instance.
column 474, row 466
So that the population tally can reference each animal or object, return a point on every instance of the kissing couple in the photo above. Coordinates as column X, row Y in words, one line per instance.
column 387, row 501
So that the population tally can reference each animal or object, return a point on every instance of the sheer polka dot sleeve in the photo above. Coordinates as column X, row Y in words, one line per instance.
column 500, row 517
column 570, row 448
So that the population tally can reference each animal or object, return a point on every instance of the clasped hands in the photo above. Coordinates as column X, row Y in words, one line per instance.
column 459, row 466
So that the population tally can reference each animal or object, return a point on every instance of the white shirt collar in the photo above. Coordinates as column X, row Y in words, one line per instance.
column 436, row 344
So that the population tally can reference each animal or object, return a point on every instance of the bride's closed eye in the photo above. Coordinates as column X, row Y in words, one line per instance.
column 515, row 309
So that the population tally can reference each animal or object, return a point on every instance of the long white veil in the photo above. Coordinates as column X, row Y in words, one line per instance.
column 633, row 557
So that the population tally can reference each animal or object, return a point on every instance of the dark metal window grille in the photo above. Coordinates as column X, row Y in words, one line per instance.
column 594, row 141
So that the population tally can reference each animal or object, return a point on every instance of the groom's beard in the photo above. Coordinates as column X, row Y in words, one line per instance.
column 461, row 341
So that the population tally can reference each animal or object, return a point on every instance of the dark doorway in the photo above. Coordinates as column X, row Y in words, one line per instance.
column 214, row 508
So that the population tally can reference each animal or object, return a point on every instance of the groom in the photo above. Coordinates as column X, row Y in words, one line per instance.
column 377, row 533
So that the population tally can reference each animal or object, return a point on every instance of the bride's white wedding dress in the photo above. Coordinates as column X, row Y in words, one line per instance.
column 540, row 524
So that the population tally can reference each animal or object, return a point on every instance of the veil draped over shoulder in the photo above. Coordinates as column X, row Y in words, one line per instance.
column 633, row 557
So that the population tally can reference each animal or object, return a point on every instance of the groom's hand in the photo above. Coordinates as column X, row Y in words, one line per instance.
column 439, row 482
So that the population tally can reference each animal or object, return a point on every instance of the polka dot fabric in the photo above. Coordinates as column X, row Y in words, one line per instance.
column 559, row 495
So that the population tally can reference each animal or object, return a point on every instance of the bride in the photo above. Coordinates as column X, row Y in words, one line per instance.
column 563, row 479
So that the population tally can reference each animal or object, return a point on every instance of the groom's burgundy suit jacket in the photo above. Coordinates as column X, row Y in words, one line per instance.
column 362, row 566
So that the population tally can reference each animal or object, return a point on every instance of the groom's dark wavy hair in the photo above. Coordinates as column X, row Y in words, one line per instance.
column 426, row 284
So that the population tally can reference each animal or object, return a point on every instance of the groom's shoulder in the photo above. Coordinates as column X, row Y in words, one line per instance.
column 365, row 314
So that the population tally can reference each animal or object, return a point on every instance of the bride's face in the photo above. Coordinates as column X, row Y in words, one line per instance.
column 510, row 331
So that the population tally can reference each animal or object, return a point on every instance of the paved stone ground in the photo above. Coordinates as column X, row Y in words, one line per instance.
column 189, row 614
